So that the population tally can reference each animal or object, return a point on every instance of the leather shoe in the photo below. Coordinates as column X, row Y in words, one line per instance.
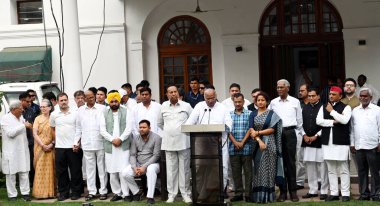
column 300, row 187
column 322, row 197
column 237, row 198
column 138, row 196
column 294, row 197
column 150, row 201
column 116, row 198
column 331, row 198
column 26, row 198
column 345, row 198
column 247, row 199
column 363, row 198
column 12, row 199
column 62, row 197
column 128, row 198
column 282, row 197
column 75, row 197
column 308, row 195
column 377, row 199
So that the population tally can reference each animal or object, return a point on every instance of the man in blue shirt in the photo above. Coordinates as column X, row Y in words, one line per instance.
column 194, row 96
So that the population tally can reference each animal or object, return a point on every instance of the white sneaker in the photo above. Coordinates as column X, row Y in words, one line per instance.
column 187, row 199
column 170, row 200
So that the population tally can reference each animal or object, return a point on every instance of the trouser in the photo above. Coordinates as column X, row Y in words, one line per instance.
column 66, row 159
column 300, row 165
column 93, row 158
column 289, row 147
column 368, row 160
column 151, row 175
column 11, row 184
column 119, row 184
column 238, row 164
column 313, row 174
column 31, row 172
column 333, row 167
column 178, row 172
column 225, row 159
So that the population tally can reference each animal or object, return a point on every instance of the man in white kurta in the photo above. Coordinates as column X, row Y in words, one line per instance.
column 212, row 112
column 88, row 136
column 336, row 151
column 15, row 149
column 146, row 109
column 116, row 128
column 176, row 145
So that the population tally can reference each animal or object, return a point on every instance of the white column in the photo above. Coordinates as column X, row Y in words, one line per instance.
column 71, row 62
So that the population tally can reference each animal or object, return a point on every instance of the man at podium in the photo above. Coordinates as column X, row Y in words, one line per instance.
column 210, row 112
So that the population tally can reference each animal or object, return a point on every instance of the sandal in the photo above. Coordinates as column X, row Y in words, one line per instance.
column 103, row 197
column 90, row 197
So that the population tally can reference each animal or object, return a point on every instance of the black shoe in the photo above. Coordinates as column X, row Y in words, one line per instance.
column 322, row 197
column 26, row 198
column 300, row 187
column 128, row 198
column 308, row 195
column 282, row 197
column 150, row 201
column 116, row 198
column 12, row 199
column 364, row 198
column 138, row 196
column 75, row 197
column 377, row 199
column 89, row 197
column 103, row 197
column 62, row 197
column 247, row 199
column 345, row 198
column 294, row 197
column 237, row 198
column 332, row 198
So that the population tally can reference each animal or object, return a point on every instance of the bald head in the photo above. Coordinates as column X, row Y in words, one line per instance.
column 210, row 97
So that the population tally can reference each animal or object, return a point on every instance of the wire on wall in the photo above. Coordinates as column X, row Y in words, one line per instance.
column 100, row 39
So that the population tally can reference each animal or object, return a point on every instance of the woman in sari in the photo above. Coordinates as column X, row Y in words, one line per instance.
column 265, row 129
column 44, row 185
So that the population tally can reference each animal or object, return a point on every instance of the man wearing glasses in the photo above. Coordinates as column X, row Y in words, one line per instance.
column 349, row 90
column 33, row 106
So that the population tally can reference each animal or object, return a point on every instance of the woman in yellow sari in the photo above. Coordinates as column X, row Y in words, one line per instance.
column 44, row 185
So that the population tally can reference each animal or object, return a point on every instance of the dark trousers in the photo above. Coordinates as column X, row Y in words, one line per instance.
column 238, row 164
column 67, row 159
column 289, row 148
column 31, row 172
column 368, row 160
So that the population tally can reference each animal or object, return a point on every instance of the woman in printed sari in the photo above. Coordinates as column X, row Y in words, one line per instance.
column 265, row 129
column 44, row 185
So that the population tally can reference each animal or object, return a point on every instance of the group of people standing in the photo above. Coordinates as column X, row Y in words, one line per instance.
column 122, row 133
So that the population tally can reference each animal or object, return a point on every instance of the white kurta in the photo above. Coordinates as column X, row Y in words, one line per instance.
column 14, row 145
column 118, row 159
column 333, row 151
column 151, row 113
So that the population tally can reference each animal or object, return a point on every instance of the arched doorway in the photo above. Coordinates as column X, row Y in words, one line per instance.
column 300, row 33
column 184, row 45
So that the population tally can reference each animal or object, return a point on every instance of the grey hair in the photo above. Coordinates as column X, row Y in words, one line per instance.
column 366, row 89
column 286, row 82
column 14, row 105
column 46, row 101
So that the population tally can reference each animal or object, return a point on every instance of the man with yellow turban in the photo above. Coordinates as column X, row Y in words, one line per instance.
column 116, row 129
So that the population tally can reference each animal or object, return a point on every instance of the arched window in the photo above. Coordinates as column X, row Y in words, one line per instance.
column 185, row 52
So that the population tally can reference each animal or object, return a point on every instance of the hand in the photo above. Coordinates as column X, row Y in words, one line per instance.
column 239, row 145
column 262, row 145
column 28, row 125
column 253, row 133
column 116, row 142
column 329, row 107
column 306, row 138
column 45, row 147
column 312, row 139
column 76, row 148
column 353, row 150
column 136, row 170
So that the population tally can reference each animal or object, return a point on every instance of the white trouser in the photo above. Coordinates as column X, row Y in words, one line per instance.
column 178, row 172
column 93, row 158
column 151, row 177
column 333, row 168
column 300, row 165
column 312, row 176
column 225, row 157
column 84, row 168
column 119, row 184
column 11, row 184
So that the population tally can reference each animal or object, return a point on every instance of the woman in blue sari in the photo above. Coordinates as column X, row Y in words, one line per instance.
column 265, row 129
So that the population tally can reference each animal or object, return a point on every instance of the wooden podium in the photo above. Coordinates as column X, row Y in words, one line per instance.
column 206, row 163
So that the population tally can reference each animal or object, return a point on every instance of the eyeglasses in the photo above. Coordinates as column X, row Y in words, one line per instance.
column 201, row 88
column 349, row 85
column 44, row 107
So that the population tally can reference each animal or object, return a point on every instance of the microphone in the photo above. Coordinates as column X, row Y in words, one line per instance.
column 209, row 112
column 203, row 116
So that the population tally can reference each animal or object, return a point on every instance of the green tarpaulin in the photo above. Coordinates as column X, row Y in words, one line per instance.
column 25, row 64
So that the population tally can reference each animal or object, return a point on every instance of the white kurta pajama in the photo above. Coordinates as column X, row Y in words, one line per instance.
column 336, row 156
column 15, row 159
column 118, row 160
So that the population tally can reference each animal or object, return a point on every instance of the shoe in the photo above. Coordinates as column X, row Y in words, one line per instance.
column 322, row 197
column 345, row 198
column 331, row 198
column 377, row 199
column 26, row 198
column 308, row 195
column 282, row 197
column 116, row 198
column 138, row 196
column 103, row 197
column 75, row 197
column 150, row 201
column 170, row 200
column 12, row 199
column 62, row 197
column 294, row 197
column 364, row 198
column 187, row 199
column 237, row 198
column 89, row 197
column 247, row 199
column 300, row 187
column 128, row 198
